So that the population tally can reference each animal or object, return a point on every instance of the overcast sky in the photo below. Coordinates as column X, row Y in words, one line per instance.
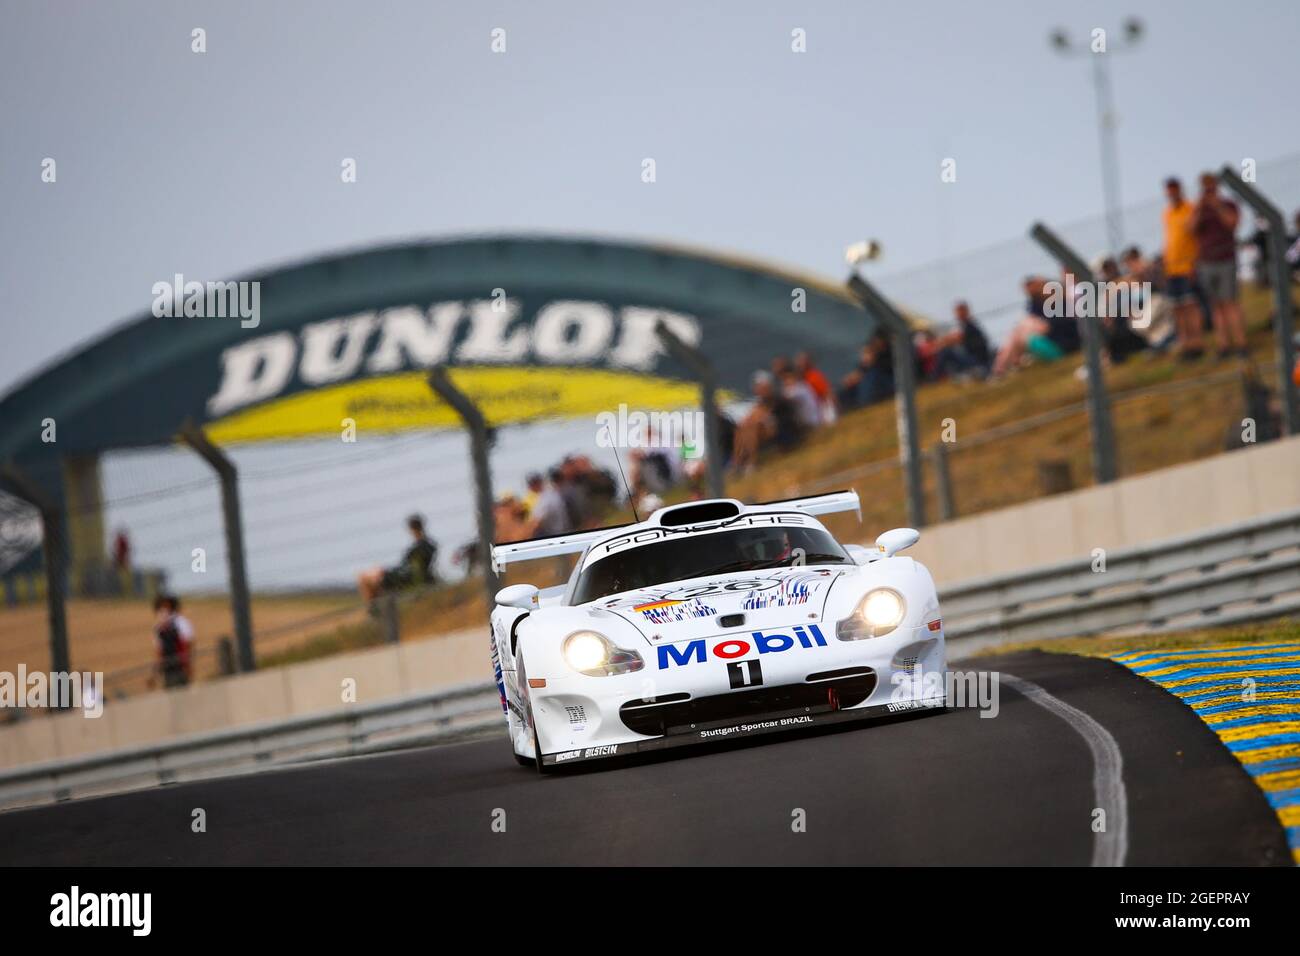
column 218, row 163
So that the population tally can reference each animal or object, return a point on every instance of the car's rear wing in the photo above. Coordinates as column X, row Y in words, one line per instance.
column 576, row 542
column 832, row 502
column 537, row 548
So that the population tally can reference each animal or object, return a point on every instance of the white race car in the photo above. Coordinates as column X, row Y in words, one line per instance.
column 708, row 621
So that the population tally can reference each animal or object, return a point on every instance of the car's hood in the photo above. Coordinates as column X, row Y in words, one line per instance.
column 685, row 610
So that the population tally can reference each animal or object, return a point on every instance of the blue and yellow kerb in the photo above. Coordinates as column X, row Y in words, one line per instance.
column 1249, row 694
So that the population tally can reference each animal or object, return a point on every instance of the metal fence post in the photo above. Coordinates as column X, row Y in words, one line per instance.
column 56, row 571
column 1099, row 422
column 909, row 441
column 943, row 482
column 225, row 656
column 389, row 620
column 703, row 371
column 1284, row 320
column 478, row 453
column 240, row 605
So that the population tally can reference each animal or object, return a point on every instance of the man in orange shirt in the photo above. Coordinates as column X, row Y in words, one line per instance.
column 1180, row 269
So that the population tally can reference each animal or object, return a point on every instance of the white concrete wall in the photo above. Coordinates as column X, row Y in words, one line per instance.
column 1163, row 504
column 295, row 690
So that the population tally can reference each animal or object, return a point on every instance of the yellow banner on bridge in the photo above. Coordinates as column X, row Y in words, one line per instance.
column 506, row 395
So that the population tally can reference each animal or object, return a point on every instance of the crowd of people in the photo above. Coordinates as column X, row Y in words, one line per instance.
column 573, row 494
column 1172, row 302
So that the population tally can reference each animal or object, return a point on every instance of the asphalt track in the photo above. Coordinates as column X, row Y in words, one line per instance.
column 947, row 788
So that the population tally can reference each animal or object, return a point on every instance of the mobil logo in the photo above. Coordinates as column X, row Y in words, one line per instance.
column 731, row 648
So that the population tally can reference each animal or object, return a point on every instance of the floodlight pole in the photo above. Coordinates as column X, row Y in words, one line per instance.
column 909, row 441
column 240, row 604
column 704, row 373
column 1104, row 469
column 477, row 428
column 56, row 572
column 1284, row 319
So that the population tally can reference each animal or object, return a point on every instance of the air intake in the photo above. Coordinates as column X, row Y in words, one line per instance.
column 699, row 513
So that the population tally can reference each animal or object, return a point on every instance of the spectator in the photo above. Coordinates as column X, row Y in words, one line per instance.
column 574, row 490
column 510, row 519
column 801, row 396
column 1063, row 330
column 925, row 347
column 1180, row 268
column 654, row 470
column 550, row 515
column 536, row 485
column 121, row 551
column 648, row 504
column 416, row 568
column 1215, row 224
column 121, row 557
column 696, row 469
column 1154, row 319
column 965, row 350
column 771, row 421
column 594, row 488
column 804, row 364
column 873, row 380
column 1118, row 335
column 467, row 556
column 1032, row 329
column 173, row 639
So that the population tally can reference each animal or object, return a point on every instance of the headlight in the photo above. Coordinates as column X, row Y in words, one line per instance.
column 882, row 610
column 590, row 653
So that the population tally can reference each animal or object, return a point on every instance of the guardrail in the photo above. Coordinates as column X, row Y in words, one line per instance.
column 1247, row 572
column 430, row 717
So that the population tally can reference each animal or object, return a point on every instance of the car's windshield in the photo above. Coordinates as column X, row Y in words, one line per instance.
column 698, row 555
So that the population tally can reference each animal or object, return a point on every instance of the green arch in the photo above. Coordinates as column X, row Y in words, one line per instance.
column 137, row 384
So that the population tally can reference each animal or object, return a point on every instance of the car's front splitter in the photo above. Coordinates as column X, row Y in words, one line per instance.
column 712, row 733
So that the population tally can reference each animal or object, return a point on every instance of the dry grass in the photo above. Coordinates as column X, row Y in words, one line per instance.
column 1280, row 630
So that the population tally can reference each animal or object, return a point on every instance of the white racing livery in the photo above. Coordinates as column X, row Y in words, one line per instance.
column 711, row 620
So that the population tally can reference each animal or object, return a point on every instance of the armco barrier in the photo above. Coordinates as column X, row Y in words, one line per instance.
column 411, row 720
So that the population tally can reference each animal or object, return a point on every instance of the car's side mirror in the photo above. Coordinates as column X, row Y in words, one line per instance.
column 859, row 554
column 899, row 539
column 522, row 596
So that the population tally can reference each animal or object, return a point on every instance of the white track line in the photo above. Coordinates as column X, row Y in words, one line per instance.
column 1109, row 847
